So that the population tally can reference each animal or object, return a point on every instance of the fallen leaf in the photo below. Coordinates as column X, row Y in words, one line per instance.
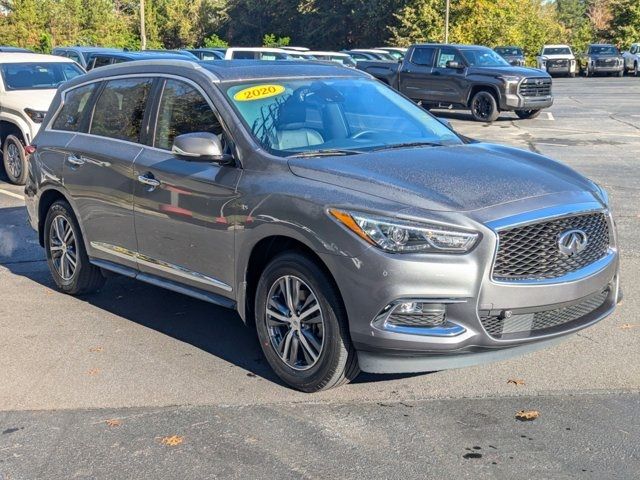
column 113, row 422
column 527, row 415
column 172, row 441
column 515, row 381
column 93, row 372
column 96, row 349
column 628, row 326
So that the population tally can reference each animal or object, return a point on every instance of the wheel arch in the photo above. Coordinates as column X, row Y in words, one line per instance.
column 492, row 89
column 8, row 127
column 47, row 198
column 262, row 252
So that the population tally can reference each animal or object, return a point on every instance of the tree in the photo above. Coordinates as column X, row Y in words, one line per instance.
column 270, row 40
column 625, row 23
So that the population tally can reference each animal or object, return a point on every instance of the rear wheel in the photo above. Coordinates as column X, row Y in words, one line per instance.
column 66, row 255
column 302, row 325
column 484, row 107
column 14, row 160
column 527, row 114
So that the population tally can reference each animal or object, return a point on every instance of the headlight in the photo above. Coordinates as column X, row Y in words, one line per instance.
column 35, row 115
column 397, row 236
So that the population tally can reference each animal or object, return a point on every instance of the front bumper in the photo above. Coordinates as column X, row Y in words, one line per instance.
column 464, row 284
column 612, row 69
column 518, row 102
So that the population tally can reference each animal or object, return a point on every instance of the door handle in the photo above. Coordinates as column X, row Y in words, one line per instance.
column 75, row 161
column 147, row 179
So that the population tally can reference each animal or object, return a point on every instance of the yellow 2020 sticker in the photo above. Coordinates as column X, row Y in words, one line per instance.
column 258, row 92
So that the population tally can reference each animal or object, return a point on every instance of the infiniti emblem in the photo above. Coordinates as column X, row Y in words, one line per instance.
column 572, row 242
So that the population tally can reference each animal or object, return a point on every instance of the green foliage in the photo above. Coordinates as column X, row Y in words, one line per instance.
column 214, row 41
column 270, row 40
column 326, row 24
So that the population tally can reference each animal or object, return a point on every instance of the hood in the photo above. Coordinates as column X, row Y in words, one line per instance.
column 508, row 70
column 35, row 99
column 452, row 178
column 565, row 56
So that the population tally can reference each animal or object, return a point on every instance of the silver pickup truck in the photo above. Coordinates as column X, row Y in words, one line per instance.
column 632, row 59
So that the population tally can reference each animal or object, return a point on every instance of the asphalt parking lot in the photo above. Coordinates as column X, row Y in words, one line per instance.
column 138, row 382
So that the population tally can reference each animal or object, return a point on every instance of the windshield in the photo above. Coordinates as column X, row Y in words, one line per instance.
column 603, row 50
column 35, row 76
column 557, row 51
column 293, row 116
column 483, row 57
column 512, row 51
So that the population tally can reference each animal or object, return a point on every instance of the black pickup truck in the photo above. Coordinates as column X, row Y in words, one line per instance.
column 465, row 76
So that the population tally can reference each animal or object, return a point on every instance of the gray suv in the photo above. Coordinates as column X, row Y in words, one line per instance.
column 354, row 229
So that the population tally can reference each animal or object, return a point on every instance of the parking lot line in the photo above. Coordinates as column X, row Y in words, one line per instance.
column 11, row 194
column 550, row 116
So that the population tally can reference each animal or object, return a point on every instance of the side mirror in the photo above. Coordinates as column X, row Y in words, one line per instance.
column 453, row 64
column 200, row 147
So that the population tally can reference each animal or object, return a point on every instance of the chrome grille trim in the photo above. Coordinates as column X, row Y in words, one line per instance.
column 529, row 252
column 535, row 87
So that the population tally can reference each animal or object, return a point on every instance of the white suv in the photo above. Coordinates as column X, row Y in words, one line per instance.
column 632, row 59
column 557, row 59
column 28, row 83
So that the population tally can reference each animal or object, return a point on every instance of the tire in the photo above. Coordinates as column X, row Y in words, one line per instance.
column 636, row 71
column 572, row 74
column 484, row 107
column 621, row 73
column 527, row 114
column 325, row 331
column 14, row 160
column 60, row 245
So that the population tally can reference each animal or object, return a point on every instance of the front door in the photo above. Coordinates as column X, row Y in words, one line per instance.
column 448, row 83
column 182, row 223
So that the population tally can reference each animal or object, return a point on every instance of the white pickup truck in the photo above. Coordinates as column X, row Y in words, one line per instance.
column 557, row 60
column 28, row 83
column 632, row 59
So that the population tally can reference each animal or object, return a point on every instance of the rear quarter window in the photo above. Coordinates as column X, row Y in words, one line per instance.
column 73, row 111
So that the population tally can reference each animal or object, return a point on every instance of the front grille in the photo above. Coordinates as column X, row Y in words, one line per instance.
column 606, row 62
column 535, row 87
column 497, row 325
column 558, row 63
column 531, row 252
column 425, row 319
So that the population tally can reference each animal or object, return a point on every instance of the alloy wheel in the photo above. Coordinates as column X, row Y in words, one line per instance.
column 62, row 246
column 295, row 322
column 482, row 107
column 14, row 162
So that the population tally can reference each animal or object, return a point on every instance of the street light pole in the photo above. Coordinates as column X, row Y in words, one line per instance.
column 143, row 32
column 446, row 23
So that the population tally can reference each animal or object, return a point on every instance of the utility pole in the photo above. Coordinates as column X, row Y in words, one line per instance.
column 143, row 32
column 446, row 23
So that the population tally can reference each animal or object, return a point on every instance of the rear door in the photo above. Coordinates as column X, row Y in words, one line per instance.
column 416, row 75
column 98, row 171
column 184, row 231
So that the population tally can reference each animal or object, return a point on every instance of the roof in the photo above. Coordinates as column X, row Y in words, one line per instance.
column 559, row 45
column 320, row 52
column 85, row 49
column 231, row 70
column 19, row 57
column 145, row 55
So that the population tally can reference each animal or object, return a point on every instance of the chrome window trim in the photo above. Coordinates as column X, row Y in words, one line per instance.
column 160, row 265
column 544, row 215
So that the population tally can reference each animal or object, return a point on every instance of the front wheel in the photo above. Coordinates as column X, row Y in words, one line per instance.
column 302, row 325
column 67, row 258
column 527, row 114
column 636, row 72
column 621, row 73
column 484, row 107
column 14, row 160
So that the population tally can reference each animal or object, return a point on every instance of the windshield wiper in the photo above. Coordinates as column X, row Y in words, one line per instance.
column 325, row 153
column 408, row 145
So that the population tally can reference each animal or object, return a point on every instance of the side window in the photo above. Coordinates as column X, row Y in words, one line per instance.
column 101, row 61
column 448, row 55
column 423, row 56
column 75, row 57
column 119, row 110
column 75, row 101
column 634, row 49
column 183, row 110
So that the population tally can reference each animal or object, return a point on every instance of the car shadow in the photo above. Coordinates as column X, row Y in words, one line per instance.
column 466, row 116
column 212, row 329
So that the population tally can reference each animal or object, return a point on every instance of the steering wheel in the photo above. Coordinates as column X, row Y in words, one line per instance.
column 363, row 133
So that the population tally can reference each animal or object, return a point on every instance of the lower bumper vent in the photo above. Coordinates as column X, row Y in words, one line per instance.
column 499, row 325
